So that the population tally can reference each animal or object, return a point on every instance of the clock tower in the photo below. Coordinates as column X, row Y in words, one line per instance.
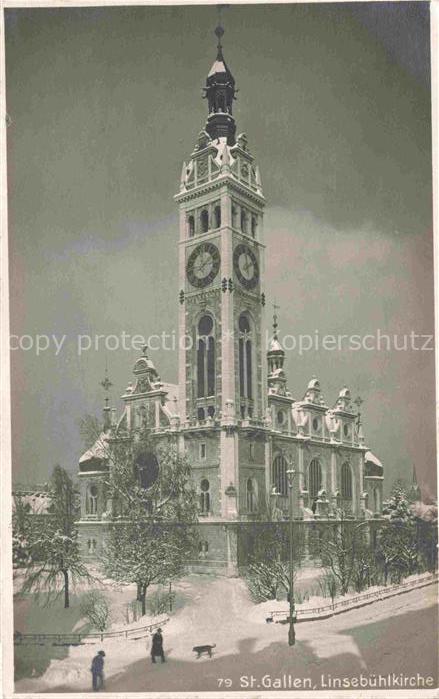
column 222, row 385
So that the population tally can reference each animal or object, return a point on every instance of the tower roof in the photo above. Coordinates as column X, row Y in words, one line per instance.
column 275, row 347
column 220, row 93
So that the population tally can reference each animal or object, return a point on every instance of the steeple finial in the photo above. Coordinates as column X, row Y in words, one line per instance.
column 275, row 323
column 106, row 385
column 219, row 31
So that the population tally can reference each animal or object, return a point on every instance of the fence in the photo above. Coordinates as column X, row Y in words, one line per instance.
column 71, row 639
column 358, row 601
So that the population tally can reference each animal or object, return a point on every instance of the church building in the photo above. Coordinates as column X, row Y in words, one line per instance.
column 232, row 411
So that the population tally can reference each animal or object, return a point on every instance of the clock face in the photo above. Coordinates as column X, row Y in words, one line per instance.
column 246, row 266
column 203, row 265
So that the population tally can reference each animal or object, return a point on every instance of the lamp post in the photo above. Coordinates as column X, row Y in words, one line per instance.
column 291, row 633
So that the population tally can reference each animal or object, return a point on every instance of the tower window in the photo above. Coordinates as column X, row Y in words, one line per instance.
column 205, row 358
column 202, row 450
column 279, row 475
column 251, row 451
column 221, row 103
column 201, row 415
column 204, row 218
column 205, row 496
column 245, row 357
column 234, row 216
column 217, row 215
column 254, row 226
column 191, row 226
column 244, row 220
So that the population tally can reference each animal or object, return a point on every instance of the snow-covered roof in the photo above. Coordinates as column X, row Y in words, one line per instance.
column 372, row 458
column 98, row 451
column 38, row 502
column 218, row 67
column 275, row 345
column 374, row 466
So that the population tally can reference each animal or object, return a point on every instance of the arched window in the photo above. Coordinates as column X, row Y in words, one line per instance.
column 245, row 357
column 217, row 214
column 92, row 500
column 279, row 475
column 244, row 220
column 203, row 548
column 204, row 218
column 191, row 226
column 205, row 496
column 201, row 414
column 346, row 482
column 252, row 495
column 315, row 478
column 205, row 358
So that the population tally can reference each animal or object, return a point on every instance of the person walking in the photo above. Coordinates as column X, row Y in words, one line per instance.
column 157, row 646
column 97, row 670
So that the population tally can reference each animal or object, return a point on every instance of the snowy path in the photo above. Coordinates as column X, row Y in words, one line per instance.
column 396, row 635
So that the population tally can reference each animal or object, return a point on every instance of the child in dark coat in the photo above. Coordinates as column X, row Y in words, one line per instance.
column 97, row 670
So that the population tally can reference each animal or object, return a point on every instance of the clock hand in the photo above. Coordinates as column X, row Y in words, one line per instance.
column 203, row 264
column 249, row 263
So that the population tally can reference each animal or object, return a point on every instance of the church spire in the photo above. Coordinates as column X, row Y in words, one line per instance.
column 276, row 359
column 220, row 93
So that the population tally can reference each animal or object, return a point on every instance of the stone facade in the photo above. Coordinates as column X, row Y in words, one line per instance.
column 232, row 412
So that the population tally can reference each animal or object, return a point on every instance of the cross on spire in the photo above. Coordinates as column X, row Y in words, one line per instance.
column 275, row 323
column 106, row 383
column 358, row 402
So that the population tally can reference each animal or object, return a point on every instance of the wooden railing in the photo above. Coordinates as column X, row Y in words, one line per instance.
column 351, row 602
column 70, row 639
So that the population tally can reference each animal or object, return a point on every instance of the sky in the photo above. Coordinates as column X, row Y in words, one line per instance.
column 104, row 106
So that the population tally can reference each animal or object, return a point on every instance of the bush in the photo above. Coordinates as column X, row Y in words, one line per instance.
column 328, row 585
column 160, row 601
column 94, row 607
column 266, row 580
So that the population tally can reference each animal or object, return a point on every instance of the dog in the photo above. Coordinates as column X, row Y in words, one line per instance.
column 204, row 649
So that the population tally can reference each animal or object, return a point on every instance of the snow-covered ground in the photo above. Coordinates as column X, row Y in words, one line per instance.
column 219, row 611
